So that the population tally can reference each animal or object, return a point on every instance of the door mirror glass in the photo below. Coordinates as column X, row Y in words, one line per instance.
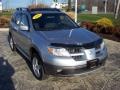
column 24, row 28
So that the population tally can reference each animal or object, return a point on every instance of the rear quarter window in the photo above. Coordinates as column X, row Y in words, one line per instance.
column 13, row 18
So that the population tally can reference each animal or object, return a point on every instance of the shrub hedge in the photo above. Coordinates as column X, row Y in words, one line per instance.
column 4, row 22
column 109, row 30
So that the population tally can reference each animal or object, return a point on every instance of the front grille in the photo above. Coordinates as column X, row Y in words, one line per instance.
column 78, row 58
column 98, row 53
column 97, row 47
column 78, row 53
column 98, row 50
column 75, row 53
column 74, row 50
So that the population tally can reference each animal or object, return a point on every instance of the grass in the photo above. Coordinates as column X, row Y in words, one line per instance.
column 94, row 17
column 7, row 14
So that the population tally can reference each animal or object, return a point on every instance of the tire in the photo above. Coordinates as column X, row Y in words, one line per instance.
column 37, row 67
column 11, row 43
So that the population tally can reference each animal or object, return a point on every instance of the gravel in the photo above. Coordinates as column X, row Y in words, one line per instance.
column 15, row 73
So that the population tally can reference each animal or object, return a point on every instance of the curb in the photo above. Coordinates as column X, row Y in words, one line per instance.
column 4, row 29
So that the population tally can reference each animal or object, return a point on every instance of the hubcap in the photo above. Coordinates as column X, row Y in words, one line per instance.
column 36, row 67
column 11, row 43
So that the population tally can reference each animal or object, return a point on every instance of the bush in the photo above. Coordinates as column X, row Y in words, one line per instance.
column 88, row 25
column 117, row 32
column 4, row 21
column 65, row 8
column 104, row 26
column 71, row 14
column 104, row 22
column 99, row 29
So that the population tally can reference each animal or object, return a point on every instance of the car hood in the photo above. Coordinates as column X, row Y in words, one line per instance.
column 78, row 36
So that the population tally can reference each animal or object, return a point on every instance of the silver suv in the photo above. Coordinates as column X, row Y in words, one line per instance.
column 54, row 43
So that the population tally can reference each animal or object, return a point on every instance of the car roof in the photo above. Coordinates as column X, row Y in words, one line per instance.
column 46, row 12
column 38, row 10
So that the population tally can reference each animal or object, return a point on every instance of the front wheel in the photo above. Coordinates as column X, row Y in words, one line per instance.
column 11, row 43
column 37, row 67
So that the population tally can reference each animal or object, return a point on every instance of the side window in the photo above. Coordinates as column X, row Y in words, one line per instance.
column 17, row 19
column 24, row 20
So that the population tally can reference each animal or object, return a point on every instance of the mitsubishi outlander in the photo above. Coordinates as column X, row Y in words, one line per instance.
column 54, row 44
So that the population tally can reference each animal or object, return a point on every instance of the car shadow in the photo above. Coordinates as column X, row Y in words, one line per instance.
column 6, row 73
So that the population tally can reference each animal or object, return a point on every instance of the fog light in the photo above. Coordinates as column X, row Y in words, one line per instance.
column 59, row 70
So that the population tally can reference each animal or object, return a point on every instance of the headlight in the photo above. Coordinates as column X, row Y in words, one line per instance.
column 103, row 45
column 58, row 51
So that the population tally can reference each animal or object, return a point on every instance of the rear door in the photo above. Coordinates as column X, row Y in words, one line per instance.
column 15, row 22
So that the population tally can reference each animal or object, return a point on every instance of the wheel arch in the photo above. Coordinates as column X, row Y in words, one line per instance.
column 9, row 35
column 33, row 50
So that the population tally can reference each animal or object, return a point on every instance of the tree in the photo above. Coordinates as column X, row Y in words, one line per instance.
column 105, row 6
column 40, row 5
column 55, row 0
column 115, row 4
column 69, row 5
column 117, row 9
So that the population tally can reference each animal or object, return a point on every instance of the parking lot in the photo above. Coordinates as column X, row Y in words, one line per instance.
column 16, row 75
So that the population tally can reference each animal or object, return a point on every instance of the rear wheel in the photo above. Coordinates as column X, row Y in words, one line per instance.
column 37, row 67
column 11, row 43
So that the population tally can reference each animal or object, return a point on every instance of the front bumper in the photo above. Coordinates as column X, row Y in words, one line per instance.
column 68, row 66
column 72, row 70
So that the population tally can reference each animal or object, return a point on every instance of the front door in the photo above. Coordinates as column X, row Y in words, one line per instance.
column 24, row 35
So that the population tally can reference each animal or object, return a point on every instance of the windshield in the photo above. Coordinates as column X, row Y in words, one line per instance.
column 52, row 22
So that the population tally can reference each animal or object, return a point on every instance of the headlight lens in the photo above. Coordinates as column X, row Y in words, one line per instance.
column 58, row 51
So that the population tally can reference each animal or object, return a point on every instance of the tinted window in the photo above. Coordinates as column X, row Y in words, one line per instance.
column 53, row 22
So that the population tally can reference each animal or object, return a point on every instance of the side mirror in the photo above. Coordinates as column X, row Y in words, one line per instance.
column 79, row 23
column 24, row 28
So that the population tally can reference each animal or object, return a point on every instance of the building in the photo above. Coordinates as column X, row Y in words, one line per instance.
column 0, row 5
column 99, row 3
column 58, row 5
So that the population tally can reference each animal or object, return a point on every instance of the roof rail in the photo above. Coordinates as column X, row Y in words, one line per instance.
column 22, row 9
column 45, row 9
